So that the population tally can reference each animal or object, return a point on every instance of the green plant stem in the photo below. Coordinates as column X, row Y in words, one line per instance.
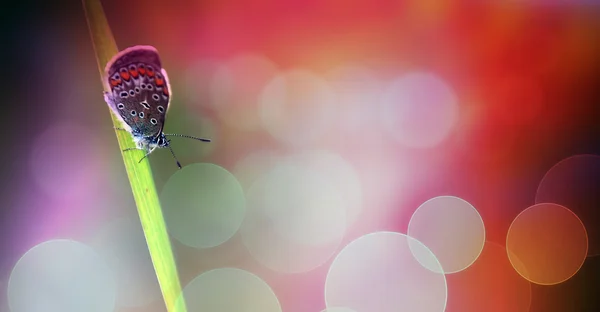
column 140, row 174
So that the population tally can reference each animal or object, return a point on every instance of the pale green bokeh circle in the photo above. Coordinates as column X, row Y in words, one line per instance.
column 61, row 276
column 228, row 290
column 203, row 204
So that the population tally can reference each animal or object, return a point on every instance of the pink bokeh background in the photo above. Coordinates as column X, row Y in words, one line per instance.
column 411, row 100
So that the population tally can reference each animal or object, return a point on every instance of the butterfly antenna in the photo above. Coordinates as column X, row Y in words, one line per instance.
column 175, row 157
column 189, row 137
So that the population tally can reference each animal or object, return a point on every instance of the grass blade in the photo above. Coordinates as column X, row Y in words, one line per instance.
column 139, row 174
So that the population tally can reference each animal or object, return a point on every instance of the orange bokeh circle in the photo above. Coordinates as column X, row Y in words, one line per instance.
column 550, row 242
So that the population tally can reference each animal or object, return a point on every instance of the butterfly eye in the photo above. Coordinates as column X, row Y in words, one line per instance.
column 141, row 114
column 120, row 106
column 124, row 94
column 153, row 121
column 155, row 97
column 161, row 109
column 132, row 113
column 131, row 92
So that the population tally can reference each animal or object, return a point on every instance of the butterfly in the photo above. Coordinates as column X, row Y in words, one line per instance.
column 139, row 96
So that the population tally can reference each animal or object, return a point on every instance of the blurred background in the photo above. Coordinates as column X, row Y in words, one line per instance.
column 380, row 155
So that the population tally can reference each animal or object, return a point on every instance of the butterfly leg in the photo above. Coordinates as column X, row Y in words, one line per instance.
column 148, row 153
column 122, row 129
column 130, row 149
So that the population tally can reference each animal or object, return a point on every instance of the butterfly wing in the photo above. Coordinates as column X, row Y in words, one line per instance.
column 139, row 90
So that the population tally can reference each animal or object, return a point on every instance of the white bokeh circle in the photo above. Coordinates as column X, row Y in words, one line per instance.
column 61, row 276
column 378, row 272
column 452, row 229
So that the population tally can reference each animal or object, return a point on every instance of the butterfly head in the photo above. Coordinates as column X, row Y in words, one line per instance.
column 162, row 141
column 149, row 144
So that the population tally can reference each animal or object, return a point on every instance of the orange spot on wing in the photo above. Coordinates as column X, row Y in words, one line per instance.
column 114, row 82
column 159, row 81
column 165, row 91
column 133, row 73
column 125, row 75
column 150, row 72
column 142, row 71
